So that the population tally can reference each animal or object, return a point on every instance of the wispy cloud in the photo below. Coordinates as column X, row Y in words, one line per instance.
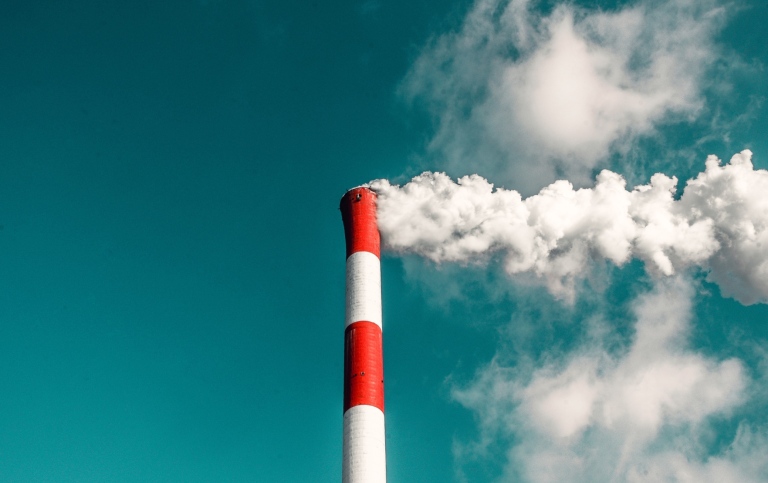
column 530, row 98
column 640, row 415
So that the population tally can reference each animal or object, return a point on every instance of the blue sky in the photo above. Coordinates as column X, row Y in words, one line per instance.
column 173, row 261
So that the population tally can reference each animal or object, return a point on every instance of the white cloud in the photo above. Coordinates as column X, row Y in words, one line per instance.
column 562, row 404
column 720, row 223
column 635, row 416
column 531, row 98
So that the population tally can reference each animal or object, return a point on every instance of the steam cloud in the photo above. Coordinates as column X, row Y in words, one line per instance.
column 720, row 224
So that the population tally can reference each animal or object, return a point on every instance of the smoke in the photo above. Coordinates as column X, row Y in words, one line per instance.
column 719, row 224
column 530, row 94
column 530, row 97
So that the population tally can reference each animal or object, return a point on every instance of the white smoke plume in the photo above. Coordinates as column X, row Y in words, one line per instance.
column 531, row 98
column 529, row 94
column 719, row 224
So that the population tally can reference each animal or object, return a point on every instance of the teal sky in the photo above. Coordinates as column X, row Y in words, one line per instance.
column 172, row 255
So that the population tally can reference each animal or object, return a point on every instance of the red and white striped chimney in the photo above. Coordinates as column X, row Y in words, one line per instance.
column 364, row 457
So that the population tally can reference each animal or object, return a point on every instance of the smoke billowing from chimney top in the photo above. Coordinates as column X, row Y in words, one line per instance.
column 719, row 224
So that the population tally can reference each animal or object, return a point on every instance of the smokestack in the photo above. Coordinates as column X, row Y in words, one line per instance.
column 364, row 458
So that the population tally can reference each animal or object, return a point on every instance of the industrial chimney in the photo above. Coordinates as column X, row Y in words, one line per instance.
column 364, row 457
